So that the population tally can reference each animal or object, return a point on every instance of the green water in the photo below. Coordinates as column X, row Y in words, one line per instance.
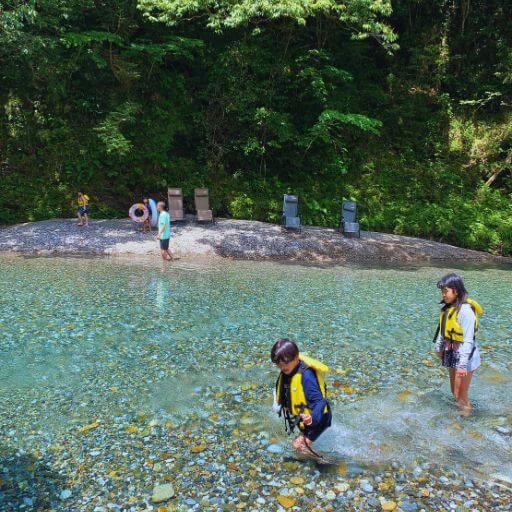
column 87, row 339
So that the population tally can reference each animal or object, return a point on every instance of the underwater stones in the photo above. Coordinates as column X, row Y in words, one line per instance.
column 366, row 486
column 408, row 506
column 65, row 494
column 87, row 428
column 502, row 478
column 198, row 448
column 341, row 487
column 404, row 396
column 388, row 506
column 330, row 495
column 162, row 493
column 297, row 480
column 286, row 501
column 275, row 448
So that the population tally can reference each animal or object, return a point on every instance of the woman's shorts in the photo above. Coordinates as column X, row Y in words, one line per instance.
column 83, row 210
column 451, row 357
column 164, row 244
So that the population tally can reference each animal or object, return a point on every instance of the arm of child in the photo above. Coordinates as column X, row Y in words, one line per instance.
column 466, row 320
column 314, row 397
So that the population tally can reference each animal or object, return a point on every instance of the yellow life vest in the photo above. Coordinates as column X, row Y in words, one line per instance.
column 449, row 328
column 298, row 402
column 84, row 201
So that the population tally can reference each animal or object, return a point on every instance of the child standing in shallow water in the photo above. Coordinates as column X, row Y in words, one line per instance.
column 301, row 395
column 455, row 338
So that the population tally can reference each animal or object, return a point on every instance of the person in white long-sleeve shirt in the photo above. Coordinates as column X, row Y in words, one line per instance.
column 455, row 341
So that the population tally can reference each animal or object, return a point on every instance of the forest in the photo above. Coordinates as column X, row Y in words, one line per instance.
column 403, row 106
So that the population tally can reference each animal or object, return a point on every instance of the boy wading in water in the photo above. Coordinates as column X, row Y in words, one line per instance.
column 83, row 209
column 455, row 337
column 164, row 231
column 301, row 395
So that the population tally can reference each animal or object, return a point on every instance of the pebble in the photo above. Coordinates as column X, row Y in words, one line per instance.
column 275, row 448
column 341, row 487
column 286, row 501
column 330, row 495
column 408, row 506
column 162, row 493
column 65, row 494
column 366, row 486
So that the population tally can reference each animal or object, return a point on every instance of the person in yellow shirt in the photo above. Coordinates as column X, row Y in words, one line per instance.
column 83, row 209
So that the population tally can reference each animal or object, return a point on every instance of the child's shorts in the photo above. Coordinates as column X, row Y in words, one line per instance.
column 313, row 433
column 83, row 210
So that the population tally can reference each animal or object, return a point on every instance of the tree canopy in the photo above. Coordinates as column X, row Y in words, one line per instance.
column 404, row 106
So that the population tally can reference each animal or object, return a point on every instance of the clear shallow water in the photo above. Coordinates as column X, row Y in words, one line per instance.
column 82, row 340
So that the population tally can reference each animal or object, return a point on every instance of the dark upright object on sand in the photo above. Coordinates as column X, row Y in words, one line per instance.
column 349, row 226
column 290, row 218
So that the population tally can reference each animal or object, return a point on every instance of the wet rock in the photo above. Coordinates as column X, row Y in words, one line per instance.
column 373, row 502
column 65, row 494
column 366, row 486
column 388, row 506
column 162, row 493
column 275, row 448
column 408, row 506
column 286, row 501
column 341, row 487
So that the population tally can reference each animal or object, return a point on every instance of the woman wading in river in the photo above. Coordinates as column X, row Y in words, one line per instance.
column 455, row 337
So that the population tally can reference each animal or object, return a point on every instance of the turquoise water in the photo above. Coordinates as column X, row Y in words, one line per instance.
column 90, row 339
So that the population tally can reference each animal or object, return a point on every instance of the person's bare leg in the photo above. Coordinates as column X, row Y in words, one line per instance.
column 462, row 384
column 453, row 372
column 80, row 223
column 170, row 257
column 86, row 219
column 301, row 445
column 165, row 255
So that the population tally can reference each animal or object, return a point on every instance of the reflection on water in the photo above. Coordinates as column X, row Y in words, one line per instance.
column 85, row 338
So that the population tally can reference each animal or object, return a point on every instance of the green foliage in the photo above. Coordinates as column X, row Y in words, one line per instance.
column 109, row 130
column 242, row 207
column 255, row 98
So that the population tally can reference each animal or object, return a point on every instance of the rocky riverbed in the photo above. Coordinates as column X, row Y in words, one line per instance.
column 221, row 459
column 142, row 387
column 228, row 238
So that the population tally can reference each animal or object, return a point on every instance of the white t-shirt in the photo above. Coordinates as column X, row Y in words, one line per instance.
column 466, row 319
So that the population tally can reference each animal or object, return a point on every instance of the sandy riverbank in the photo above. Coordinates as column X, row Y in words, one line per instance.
column 228, row 238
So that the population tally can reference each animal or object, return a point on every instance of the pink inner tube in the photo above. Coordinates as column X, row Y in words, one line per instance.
column 132, row 212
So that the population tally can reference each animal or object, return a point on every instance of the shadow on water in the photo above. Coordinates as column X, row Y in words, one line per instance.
column 27, row 483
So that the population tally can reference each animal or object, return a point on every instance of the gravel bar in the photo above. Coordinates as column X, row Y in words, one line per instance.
column 228, row 238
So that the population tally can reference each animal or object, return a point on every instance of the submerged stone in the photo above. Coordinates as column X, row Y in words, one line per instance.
column 162, row 493
column 275, row 448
